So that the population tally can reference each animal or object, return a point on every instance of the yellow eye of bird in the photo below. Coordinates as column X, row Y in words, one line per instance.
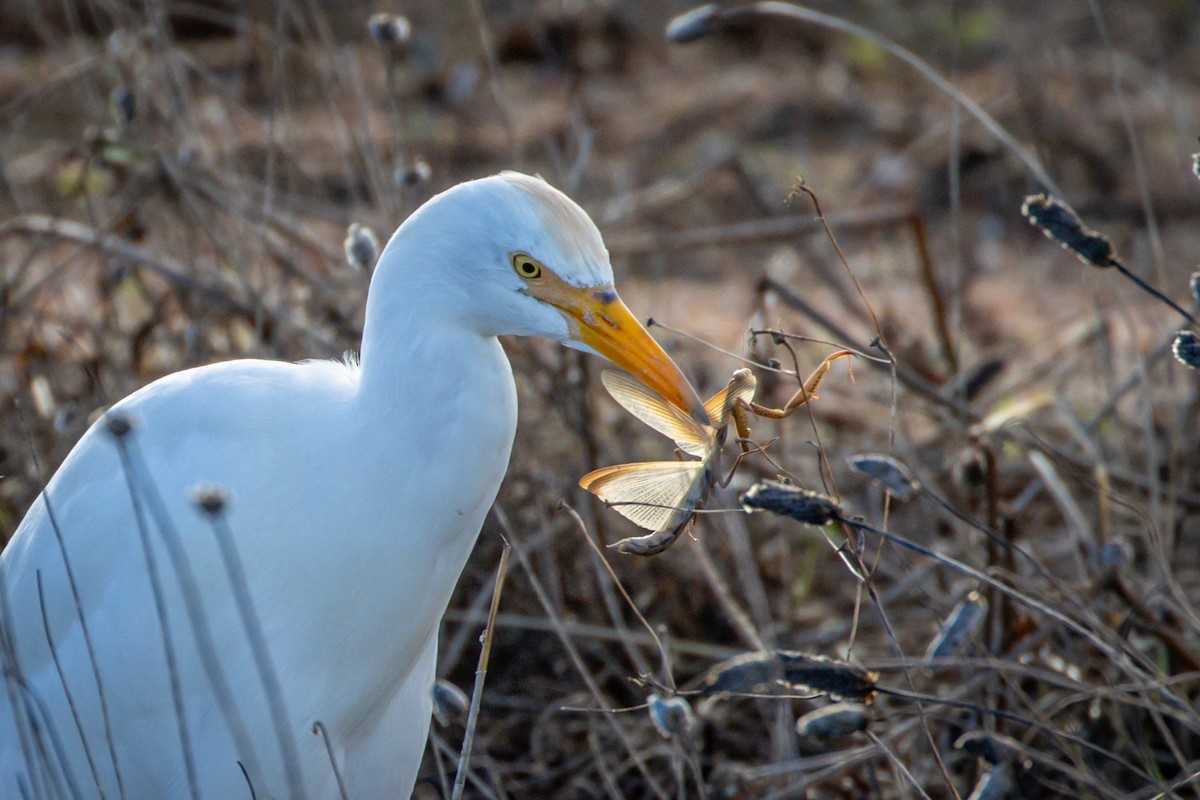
column 526, row 266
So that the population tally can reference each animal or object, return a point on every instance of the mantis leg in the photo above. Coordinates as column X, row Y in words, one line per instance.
column 806, row 392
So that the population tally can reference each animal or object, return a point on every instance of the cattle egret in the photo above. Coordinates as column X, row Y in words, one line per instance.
column 240, row 640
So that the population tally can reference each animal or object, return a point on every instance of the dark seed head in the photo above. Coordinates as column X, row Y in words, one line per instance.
column 210, row 498
column 450, row 703
column 695, row 24
column 362, row 247
column 389, row 28
column 124, row 105
column 833, row 722
column 1114, row 555
column 789, row 671
column 1059, row 222
column 792, row 501
column 888, row 471
column 117, row 424
column 991, row 747
column 1187, row 349
column 415, row 174
column 996, row 783
column 959, row 627
column 672, row 716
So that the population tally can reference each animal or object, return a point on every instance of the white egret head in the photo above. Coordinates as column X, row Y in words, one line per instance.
column 511, row 255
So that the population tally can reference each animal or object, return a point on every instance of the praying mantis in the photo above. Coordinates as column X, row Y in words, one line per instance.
column 664, row 496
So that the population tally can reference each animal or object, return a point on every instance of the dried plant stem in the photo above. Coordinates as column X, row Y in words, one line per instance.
column 62, row 679
column 599, row 554
column 493, row 65
column 102, row 696
column 141, row 482
column 798, row 13
column 757, row 231
column 936, row 301
column 460, row 777
column 267, row 674
column 318, row 728
column 634, row 752
column 907, row 377
column 737, row 615
column 899, row 765
column 1118, row 656
column 164, row 627
column 1145, row 287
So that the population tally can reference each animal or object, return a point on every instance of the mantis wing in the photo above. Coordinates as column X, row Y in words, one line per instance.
column 657, row 495
column 693, row 438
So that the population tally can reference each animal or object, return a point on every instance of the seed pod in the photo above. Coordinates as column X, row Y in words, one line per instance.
column 824, row 675
column 361, row 246
column 791, row 501
column 450, row 703
column 1187, row 349
column 888, row 471
column 1059, row 222
column 767, row 673
column 672, row 716
column 833, row 722
column 959, row 627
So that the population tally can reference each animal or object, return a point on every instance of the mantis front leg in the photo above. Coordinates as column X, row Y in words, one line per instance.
column 806, row 392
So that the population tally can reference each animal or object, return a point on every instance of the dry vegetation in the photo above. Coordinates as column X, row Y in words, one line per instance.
column 176, row 180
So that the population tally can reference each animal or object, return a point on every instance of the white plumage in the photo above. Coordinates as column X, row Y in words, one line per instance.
column 355, row 493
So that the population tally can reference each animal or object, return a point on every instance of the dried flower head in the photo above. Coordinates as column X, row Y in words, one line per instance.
column 791, row 501
column 695, row 24
column 362, row 246
column 1187, row 349
column 450, row 703
column 1060, row 222
column 833, row 722
column 672, row 716
column 414, row 174
column 210, row 498
column 392, row 29
column 888, row 471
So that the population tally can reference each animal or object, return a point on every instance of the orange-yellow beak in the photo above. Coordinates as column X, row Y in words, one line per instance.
column 601, row 321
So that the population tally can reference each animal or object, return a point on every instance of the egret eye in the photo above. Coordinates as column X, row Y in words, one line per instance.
column 526, row 266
